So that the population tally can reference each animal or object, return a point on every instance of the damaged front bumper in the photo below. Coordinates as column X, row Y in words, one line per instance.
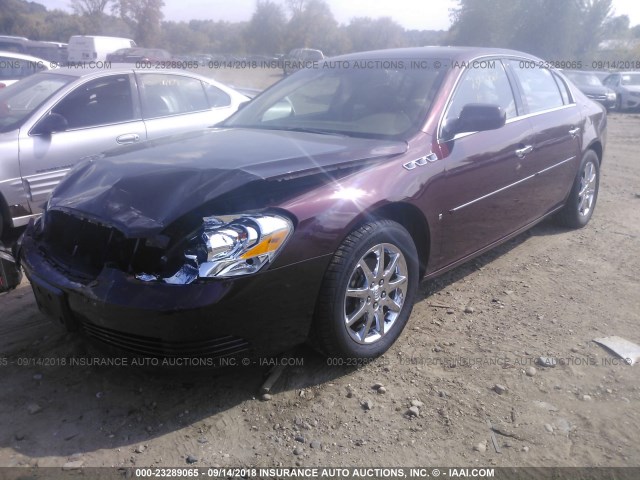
column 259, row 314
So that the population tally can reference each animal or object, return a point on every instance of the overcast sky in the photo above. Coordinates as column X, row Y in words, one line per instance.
column 411, row 14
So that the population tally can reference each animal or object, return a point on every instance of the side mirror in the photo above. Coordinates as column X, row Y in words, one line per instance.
column 478, row 117
column 52, row 123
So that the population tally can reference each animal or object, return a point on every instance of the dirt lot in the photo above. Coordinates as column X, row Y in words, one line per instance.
column 549, row 292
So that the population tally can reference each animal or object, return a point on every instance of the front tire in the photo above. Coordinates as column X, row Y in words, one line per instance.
column 367, row 293
column 582, row 200
column 619, row 103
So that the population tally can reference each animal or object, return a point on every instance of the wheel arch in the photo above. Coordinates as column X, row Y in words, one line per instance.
column 596, row 146
column 412, row 219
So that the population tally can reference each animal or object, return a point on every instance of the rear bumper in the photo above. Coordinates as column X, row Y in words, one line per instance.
column 259, row 315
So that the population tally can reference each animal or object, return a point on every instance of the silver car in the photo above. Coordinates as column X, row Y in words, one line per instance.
column 16, row 66
column 51, row 120
column 627, row 88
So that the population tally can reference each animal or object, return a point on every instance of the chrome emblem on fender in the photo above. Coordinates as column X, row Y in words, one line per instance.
column 432, row 157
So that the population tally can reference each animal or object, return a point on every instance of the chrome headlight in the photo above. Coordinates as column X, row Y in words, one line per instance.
column 230, row 246
column 241, row 245
column 611, row 96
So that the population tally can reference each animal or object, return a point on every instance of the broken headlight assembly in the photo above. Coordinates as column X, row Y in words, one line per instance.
column 231, row 246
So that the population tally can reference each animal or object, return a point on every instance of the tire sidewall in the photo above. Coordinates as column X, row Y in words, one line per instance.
column 384, row 232
column 582, row 220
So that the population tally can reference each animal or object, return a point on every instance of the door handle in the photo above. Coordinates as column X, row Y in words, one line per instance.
column 574, row 132
column 522, row 152
column 128, row 138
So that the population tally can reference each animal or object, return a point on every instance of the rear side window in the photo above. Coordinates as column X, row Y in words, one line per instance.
column 103, row 101
column 564, row 91
column 164, row 95
column 540, row 89
column 217, row 98
column 15, row 69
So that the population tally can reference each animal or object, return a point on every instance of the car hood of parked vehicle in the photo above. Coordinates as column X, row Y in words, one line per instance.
column 142, row 189
column 594, row 89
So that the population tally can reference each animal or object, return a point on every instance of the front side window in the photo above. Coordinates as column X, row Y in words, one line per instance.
column 20, row 100
column 217, row 98
column 164, row 95
column 102, row 101
column 540, row 89
column 487, row 85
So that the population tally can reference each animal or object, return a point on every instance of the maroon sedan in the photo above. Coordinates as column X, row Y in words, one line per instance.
column 313, row 212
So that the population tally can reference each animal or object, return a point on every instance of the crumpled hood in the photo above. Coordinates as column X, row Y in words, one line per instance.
column 140, row 190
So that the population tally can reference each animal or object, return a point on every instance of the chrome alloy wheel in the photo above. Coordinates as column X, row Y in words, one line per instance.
column 588, row 184
column 376, row 293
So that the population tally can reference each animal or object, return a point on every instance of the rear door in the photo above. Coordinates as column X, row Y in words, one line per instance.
column 102, row 113
column 558, row 124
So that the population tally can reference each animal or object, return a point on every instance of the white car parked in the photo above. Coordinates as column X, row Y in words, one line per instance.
column 16, row 66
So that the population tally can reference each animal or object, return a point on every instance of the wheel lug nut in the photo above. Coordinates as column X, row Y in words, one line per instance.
column 381, row 282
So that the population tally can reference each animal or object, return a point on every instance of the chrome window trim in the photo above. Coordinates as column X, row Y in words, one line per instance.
column 519, row 118
column 498, row 57
column 541, row 112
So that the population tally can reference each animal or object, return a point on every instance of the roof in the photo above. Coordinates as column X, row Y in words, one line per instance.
column 453, row 53
column 83, row 69
column 22, row 56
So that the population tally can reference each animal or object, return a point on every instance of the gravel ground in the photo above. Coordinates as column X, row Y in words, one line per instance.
column 468, row 355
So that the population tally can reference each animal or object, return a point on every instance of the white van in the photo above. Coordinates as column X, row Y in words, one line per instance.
column 92, row 48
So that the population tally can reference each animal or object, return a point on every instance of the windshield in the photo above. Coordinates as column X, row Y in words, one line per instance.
column 20, row 100
column 364, row 102
column 585, row 79
column 631, row 79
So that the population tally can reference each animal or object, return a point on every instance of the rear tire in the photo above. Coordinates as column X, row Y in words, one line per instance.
column 367, row 293
column 581, row 203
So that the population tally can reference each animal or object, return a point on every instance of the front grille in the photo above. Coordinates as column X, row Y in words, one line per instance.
column 156, row 347
column 84, row 247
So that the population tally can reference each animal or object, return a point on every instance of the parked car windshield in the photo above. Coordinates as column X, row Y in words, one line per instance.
column 584, row 79
column 20, row 100
column 631, row 79
column 364, row 102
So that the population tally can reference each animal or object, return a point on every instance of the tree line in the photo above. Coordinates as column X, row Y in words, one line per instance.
column 551, row 29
